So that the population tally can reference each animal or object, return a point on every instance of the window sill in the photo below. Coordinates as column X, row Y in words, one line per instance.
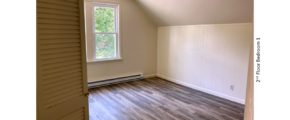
column 104, row 60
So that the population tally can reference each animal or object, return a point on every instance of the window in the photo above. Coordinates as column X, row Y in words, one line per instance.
column 102, row 25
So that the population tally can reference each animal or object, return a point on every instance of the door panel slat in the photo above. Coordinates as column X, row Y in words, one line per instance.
column 60, row 82
column 56, row 22
column 61, row 50
column 56, row 12
column 57, row 7
column 57, row 90
column 55, row 40
column 60, row 17
column 52, row 71
column 56, row 102
column 58, row 31
column 52, row 100
column 62, row 3
column 57, row 27
column 60, row 60
column 59, row 65
column 59, row 36
column 57, row 75
column 53, row 95
column 61, row 55
column 77, row 115
column 60, row 78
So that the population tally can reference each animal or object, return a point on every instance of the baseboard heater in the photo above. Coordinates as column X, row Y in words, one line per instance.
column 115, row 80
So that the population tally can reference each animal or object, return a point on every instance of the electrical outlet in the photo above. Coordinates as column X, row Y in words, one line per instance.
column 232, row 87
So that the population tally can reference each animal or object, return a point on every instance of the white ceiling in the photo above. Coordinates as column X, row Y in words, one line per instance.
column 190, row 12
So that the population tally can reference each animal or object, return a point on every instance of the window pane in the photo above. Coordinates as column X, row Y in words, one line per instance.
column 104, row 19
column 105, row 46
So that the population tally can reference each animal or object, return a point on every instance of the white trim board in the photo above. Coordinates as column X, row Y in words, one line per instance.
column 238, row 100
column 150, row 76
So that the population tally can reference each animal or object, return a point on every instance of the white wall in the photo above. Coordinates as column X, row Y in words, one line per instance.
column 138, row 45
column 209, row 58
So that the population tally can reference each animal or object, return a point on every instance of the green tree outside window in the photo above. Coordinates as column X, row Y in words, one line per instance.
column 105, row 32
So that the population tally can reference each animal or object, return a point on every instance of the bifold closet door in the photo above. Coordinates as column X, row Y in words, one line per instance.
column 61, row 62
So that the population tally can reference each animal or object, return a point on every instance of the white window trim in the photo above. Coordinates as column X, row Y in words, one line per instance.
column 91, row 34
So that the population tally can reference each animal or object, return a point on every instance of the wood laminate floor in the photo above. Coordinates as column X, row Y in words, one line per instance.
column 158, row 99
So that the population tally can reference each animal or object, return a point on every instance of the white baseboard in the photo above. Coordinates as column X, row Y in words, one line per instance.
column 234, row 99
column 150, row 76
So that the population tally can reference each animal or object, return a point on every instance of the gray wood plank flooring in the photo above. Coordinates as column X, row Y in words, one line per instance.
column 158, row 99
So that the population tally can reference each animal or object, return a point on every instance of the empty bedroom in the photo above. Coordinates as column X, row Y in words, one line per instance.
column 144, row 59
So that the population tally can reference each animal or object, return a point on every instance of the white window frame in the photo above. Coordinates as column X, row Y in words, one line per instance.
column 91, row 34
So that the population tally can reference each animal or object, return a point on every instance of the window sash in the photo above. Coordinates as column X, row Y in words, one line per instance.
column 116, row 15
column 117, row 48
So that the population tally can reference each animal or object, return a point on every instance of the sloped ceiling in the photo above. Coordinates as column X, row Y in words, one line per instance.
column 191, row 12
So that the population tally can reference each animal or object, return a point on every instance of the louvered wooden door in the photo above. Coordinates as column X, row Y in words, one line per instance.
column 61, row 61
